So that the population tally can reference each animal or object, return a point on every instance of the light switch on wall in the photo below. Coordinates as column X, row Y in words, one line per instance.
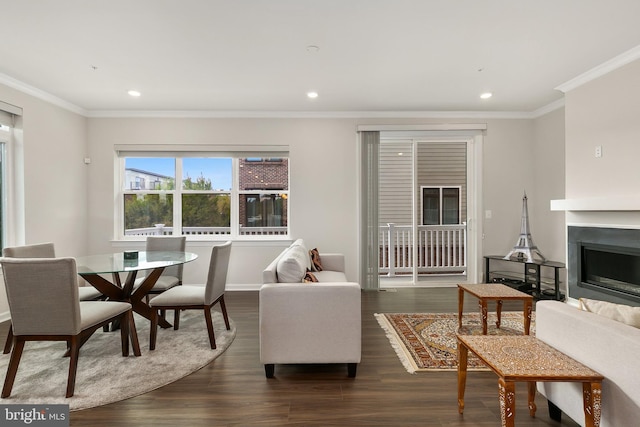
column 488, row 214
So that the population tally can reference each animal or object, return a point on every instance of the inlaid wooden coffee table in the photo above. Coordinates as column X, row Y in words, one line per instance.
column 494, row 292
column 526, row 358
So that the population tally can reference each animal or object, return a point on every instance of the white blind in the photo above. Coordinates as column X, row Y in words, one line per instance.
column 7, row 113
column 369, row 245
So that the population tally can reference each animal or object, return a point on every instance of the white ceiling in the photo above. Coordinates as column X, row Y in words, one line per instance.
column 251, row 55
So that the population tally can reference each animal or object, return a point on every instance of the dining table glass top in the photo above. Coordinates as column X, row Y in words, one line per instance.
column 116, row 262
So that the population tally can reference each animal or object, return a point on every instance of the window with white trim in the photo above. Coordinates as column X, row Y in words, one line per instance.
column 201, row 194
column 440, row 205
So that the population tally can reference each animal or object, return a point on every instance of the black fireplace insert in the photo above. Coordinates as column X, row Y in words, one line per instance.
column 604, row 263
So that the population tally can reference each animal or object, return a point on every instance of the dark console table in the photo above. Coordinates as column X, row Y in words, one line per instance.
column 527, row 277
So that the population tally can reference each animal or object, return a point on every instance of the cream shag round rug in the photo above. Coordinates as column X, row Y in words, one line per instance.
column 104, row 376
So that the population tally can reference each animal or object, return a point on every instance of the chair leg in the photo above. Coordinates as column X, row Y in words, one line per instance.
column 153, row 329
column 12, row 369
column 223, row 307
column 73, row 365
column 212, row 337
column 176, row 319
column 9, row 342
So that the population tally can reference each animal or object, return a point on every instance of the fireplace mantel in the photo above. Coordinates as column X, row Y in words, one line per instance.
column 601, row 204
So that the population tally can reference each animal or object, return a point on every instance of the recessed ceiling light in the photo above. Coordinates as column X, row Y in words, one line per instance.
column 486, row 95
column 312, row 95
column 134, row 93
column 312, row 48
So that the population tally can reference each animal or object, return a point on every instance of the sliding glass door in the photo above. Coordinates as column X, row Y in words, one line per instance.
column 424, row 200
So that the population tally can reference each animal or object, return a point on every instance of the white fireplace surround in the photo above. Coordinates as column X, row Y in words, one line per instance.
column 601, row 204
column 613, row 212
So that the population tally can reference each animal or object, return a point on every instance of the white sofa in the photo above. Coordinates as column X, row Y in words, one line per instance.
column 309, row 323
column 607, row 346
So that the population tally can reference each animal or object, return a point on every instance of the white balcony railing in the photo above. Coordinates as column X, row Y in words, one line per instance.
column 439, row 249
column 162, row 230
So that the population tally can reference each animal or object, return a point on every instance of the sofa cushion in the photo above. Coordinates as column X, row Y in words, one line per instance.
column 620, row 312
column 327, row 276
column 292, row 265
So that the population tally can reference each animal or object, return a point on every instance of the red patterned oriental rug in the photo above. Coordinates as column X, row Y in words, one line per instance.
column 427, row 341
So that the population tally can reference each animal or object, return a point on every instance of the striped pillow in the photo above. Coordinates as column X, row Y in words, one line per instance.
column 309, row 277
column 316, row 263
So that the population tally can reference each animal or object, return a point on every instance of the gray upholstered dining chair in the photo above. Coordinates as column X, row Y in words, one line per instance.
column 171, row 276
column 43, row 250
column 196, row 297
column 45, row 306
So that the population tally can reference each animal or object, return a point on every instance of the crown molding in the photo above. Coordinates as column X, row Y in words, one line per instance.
column 314, row 114
column 555, row 105
column 40, row 94
column 602, row 69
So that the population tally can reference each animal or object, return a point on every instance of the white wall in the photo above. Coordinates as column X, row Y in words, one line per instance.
column 604, row 112
column 55, row 177
column 548, row 228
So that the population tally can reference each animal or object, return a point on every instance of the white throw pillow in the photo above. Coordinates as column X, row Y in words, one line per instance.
column 620, row 312
column 300, row 243
column 292, row 266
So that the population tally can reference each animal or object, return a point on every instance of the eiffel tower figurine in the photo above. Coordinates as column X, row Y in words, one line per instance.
column 524, row 246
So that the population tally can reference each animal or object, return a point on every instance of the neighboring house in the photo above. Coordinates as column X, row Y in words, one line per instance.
column 138, row 179
column 262, row 182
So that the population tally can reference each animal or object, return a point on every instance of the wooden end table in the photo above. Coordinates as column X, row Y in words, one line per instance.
column 494, row 292
column 526, row 358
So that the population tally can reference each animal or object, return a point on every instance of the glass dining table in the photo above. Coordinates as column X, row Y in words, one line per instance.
column 93, row 268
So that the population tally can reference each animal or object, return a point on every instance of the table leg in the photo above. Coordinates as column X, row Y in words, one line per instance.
column 137, row 298
column 463, row 353
column 460, row 305
column 499, row 313
column 110, row 290
column 592, row 395
column 531, row 388
column 507, row 392
column 527, row 316
column 483, row 313
column 133, row 334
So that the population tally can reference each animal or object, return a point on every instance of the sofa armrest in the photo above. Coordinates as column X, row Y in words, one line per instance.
column 332, row 262
column 269, row 274
column 606, row 346
column 310, row 323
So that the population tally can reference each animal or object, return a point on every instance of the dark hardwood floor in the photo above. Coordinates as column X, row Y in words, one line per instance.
column 233, row 390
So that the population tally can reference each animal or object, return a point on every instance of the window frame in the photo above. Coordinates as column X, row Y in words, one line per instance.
column 440, row 189
column 178, row 192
